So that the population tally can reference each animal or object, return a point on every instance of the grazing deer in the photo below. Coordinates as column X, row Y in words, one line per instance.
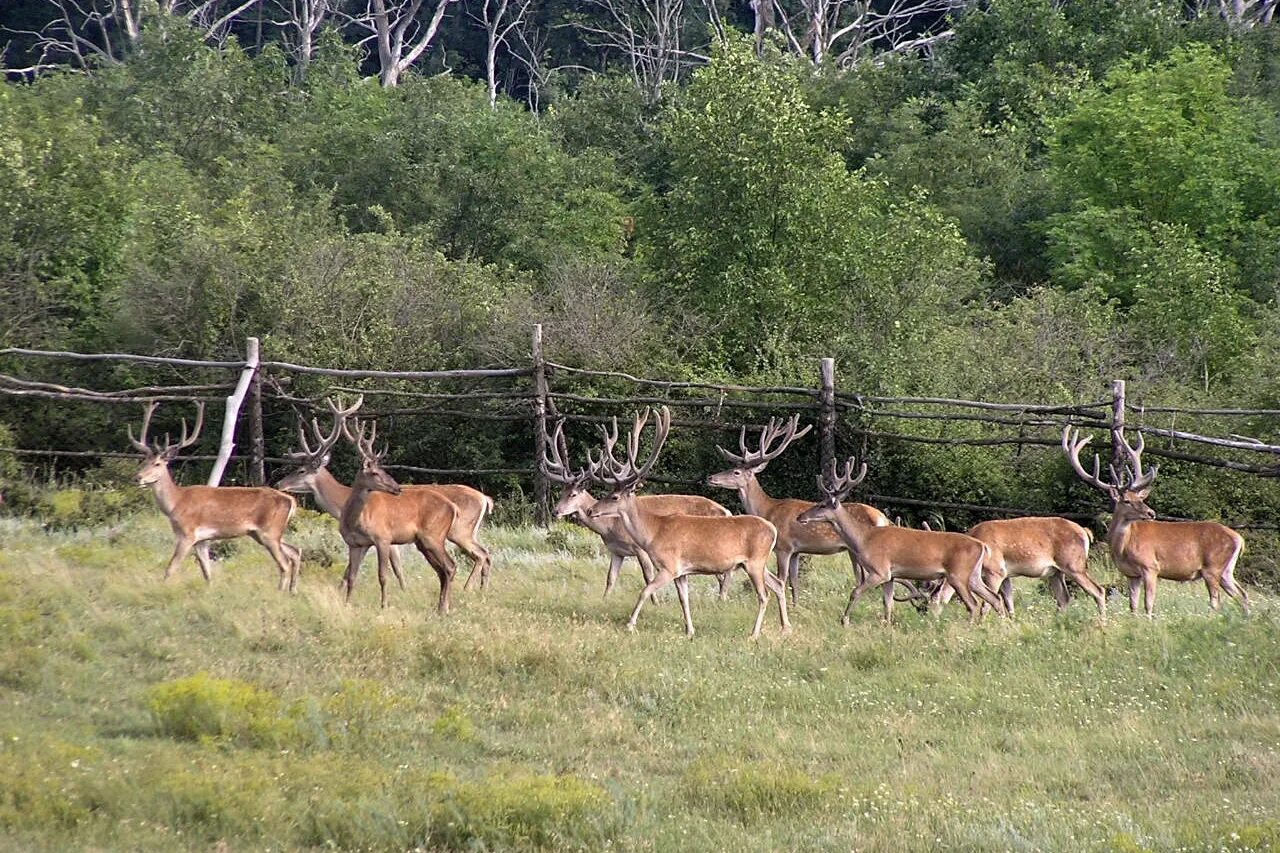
column 681, row 545
column 1144, row 549
column 201, row 514
column 379, row 514
column 794, row 538
column 576, row 500
column 1035, row 547
column 312, row 475
column 890, row 553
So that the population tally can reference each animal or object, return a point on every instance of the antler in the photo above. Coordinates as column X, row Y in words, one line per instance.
column 775, row 437
column 557, row 463
column 837, row 484
column 626, row 474
column 141, row 443
column 1132, row 478
column 1138, row 479
column 364, row 443
column 324, row 443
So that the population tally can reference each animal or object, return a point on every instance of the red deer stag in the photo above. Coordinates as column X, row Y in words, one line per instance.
column 890, row 553
column 312, row 475
column 682, row 545
column 201, row 514
column 1144, row 549
column 576, row 500
column 1035, row 547
column 794, row 538
column 379, row 514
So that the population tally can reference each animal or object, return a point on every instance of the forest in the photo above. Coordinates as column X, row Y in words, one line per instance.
column 1003, row 200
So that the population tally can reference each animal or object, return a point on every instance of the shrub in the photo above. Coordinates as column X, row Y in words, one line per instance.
column 203, row 708
column 455, row 725
column 524, row 810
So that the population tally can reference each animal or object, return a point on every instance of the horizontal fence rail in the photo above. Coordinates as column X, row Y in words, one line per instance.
column 519, row 403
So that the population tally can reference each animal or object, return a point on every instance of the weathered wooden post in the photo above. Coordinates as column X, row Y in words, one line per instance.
column 1119, row 458
column 827, row 415
column 541, row 484
column 258, row 468
column 232, row 412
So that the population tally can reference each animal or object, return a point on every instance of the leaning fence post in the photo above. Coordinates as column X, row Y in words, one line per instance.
column 827, row 414
column 232, row 412
column 258, row 468
column 1118, row 456
column 541, row 485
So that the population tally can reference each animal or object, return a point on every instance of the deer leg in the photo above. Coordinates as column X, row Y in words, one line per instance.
column 961, row 586
column 1058, row 589
column 888, row 602
column 784, row 570
column 780, row 592
column 1236, row 591
column 1214, row 585
column 397, row 564
column 202, row 557
column 724, row 585
column 661, row 579
column 384, row 561
column 445, row 568
column 682, row 590
column 283, row 562
column 1135, row 587
column 180, row 551
column 1006, row 595
column 869, row 579
column 479, row 562
column 355, row 556
column 646, row 569
column 295, row 560
column 1091, row 586
column 793, row 574
column 1149, row 579
column 615, row 566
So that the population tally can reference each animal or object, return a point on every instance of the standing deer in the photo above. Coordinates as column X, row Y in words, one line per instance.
column 1035, row 547
column 681, row 545
column 379, row 514
column 889, row 553
column 1144, row 549
column 201, row 514
column 794, row 538
column 576, row 501
column 312, row 475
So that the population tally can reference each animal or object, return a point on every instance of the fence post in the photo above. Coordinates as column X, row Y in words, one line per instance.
column 232, row 412
column 541, row 485
column 827, row 415
column 1118, row 456
column 258, row 468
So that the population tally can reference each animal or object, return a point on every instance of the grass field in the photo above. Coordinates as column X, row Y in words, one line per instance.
column 139, row 715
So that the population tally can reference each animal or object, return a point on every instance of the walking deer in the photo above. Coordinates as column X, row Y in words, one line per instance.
column 682, row 545
column 794, row 538
column 890, row 553
column 576, row 501
column 202, row 514
column 1144, row 549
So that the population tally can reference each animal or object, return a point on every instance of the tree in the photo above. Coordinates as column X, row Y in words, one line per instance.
column 402, row 31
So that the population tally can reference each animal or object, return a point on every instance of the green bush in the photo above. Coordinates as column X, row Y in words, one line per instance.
column 524, row 810
column 204, row 708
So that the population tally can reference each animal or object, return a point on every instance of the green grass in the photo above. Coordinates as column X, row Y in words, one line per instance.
column 140, row 715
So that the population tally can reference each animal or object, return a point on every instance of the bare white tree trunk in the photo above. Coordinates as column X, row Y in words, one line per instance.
column 301, row 21
column 845, row 32
column 400, row 33
column 649, row 35
column 500, row 19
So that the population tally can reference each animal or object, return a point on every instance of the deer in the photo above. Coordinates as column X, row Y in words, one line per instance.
column 794, row 538
column 576, row 500
column 1145, row 550
column 312, row 475
column 379, row 513
column 889, row 553
column 681, row 545
column 1049, row 548
column 202, row 514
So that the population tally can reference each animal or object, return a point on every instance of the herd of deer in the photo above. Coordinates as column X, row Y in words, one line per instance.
column 676, row 536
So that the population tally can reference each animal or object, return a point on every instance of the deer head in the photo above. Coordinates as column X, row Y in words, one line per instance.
column 158, row 455
column 576, row 496
column 1128, row 488
column 625, row 476
column 835, row 483
column 775, row 437
column 311, row 458
column 372, row 477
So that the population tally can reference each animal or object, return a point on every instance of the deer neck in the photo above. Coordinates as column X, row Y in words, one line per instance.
column 851, row 530
column 330, row 494
column 753, row 497
column 636, row 523
column 599, row 526
column 354, row 507
column 1118, row 530
column 167, row 492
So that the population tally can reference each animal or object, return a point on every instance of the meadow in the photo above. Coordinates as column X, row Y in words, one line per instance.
column 141, row 715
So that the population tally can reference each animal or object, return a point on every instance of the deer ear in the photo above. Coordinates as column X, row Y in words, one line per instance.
column 1141, row 494
column 756, row 469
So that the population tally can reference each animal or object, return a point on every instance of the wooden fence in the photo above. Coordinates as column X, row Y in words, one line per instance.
column 521, row 401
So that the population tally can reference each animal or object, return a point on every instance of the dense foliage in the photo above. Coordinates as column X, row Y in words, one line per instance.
column 1058, row 194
